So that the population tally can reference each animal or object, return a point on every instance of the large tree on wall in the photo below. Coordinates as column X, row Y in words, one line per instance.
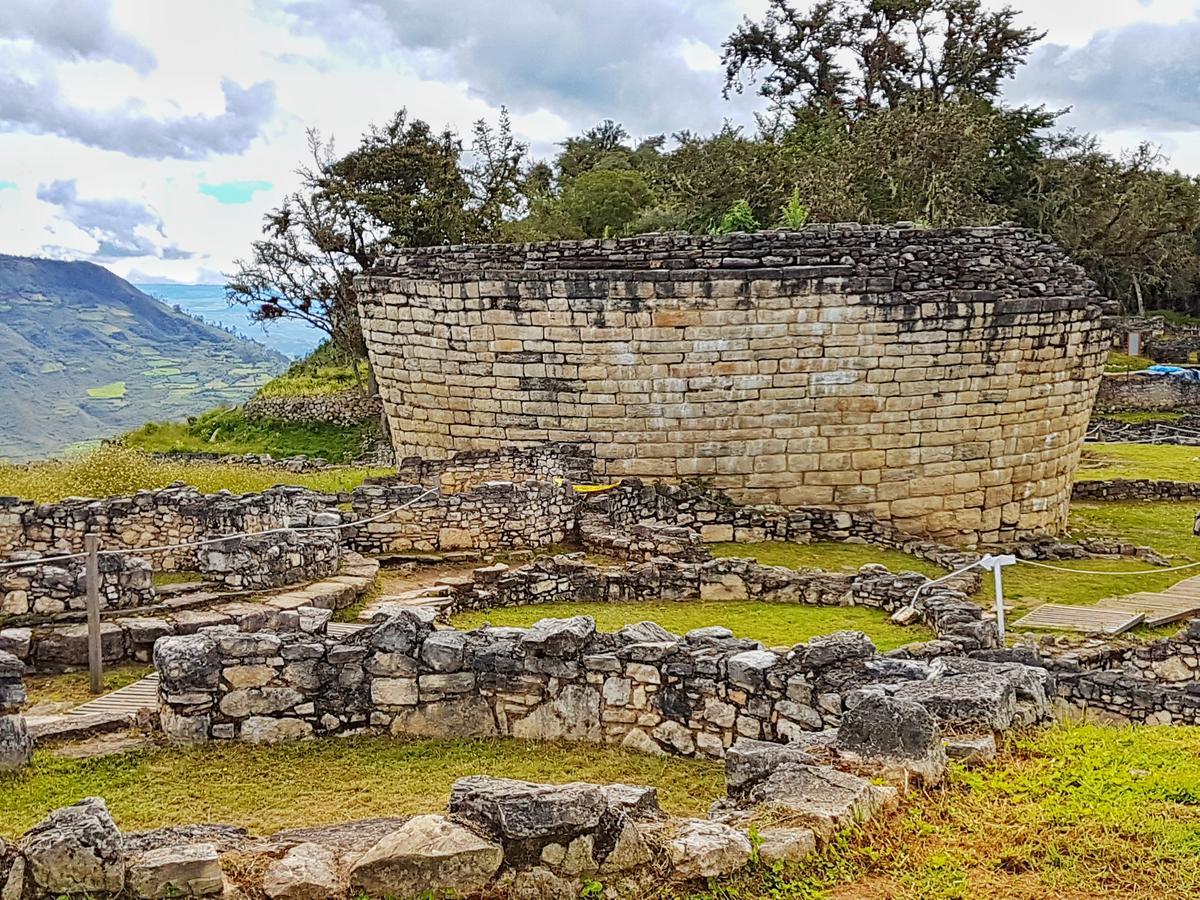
column 404, row 185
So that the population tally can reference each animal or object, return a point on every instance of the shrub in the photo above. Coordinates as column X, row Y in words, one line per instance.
column 739, row 217
column 793, row 214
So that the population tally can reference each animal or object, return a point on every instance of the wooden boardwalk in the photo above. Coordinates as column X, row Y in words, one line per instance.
column 1115, row 615
column 129, row 700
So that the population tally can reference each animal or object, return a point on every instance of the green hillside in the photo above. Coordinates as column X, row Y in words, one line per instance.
column 85, row 355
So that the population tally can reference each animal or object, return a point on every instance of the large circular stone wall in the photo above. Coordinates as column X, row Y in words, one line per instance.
column 939, row 379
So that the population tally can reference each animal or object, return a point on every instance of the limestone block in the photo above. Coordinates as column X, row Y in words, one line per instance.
column 428, row 855
column 190, row 870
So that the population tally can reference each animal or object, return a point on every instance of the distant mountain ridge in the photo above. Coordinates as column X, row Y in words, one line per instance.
column 86, row 355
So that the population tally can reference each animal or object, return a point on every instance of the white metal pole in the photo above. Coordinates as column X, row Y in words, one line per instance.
column 999, row 581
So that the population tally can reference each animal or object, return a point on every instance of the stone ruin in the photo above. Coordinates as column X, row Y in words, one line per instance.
column 941, row 380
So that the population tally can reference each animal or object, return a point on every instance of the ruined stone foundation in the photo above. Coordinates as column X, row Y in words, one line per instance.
column 939, row 379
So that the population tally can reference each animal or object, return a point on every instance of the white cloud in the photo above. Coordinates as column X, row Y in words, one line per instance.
column 124, row 98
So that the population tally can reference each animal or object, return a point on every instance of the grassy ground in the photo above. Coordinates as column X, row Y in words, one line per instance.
column 1167, row 527
column 266, row 788
column 1118, row 362
column 1144, row 418
column 321, row 373
column 1070, row 812
column 230, row 432
column 112, row 471
column 72, row 687
column 1164, row 462
column 775, row 624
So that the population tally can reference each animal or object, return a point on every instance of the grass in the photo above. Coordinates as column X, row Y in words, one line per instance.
column 113, row 391
column 267, row 788
column 72, row 687
column 1075, row 811
column 1160, row 462
column 323, row 372
column 229, row 432
column 114, row 471
column 1118, row 362
column 775, row 624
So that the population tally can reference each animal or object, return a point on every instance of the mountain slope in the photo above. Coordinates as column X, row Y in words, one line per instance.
column 85, row 355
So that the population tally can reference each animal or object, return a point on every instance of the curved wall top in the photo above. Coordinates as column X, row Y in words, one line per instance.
column 942, row 379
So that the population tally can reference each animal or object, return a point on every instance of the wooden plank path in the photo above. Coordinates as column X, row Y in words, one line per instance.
column 1114, row 615
column 1088, row 619
column 129, row 700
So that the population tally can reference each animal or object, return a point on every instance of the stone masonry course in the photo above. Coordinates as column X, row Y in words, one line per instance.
column 938, row 379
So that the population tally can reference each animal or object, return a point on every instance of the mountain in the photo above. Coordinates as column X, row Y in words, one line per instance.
column 85, row 355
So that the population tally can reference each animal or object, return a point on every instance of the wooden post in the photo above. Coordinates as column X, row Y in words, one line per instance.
column 91, row 545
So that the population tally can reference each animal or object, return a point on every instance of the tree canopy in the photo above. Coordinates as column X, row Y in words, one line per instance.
column 879, row 111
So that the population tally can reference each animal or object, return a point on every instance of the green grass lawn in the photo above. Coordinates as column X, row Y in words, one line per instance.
column 266, row 788
column 1070, row 812
column 230, row 432
column 113, row 391
column 1144, row 418
column 1162, row 462
column 114, row 471
column 826, row 555
column 1119, row 362
column 775, row 624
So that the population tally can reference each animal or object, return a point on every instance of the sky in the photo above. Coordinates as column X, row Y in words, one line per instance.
column 151, row 136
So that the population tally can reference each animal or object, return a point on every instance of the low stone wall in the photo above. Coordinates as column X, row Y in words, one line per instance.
column 347, row 408
column 469, row 468
column 643, row 542
column 130, row 636
column 1136, row 489
column 262, row 562
column 46, row 589
column 173, row 515
column 1184, row 431
column 1114, row 696
column 719, row 520
column 16, row 747
column 499, row 515
column 1147, row 393
column 957, row 622
column 1174, row 660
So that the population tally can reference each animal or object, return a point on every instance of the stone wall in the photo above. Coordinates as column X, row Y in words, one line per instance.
column 1147, row 393
column 642, row 687
column 467, row 469
column 347, row 408
column 939, row 379
column 16, row 746
column 262, row 562
column 47, row 589
column 1136, row 489
column 1174, row 660
column 499, row 515
column 173, row 515
column 1184, row 430
column 717, row 520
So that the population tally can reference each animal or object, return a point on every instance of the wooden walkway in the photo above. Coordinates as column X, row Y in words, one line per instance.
column 1115, row 615
column 129, row 700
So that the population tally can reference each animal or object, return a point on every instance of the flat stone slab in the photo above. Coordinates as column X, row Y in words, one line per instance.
column 822, row 798
column 965, row 702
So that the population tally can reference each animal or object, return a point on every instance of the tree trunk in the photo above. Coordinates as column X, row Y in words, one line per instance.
column 1137, row 292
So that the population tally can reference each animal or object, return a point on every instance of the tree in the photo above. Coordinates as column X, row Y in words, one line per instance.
column 603, row 202
column 404, row 185
column 866, row 54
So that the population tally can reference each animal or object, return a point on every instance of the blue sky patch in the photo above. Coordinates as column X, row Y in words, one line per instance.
column 233, row 192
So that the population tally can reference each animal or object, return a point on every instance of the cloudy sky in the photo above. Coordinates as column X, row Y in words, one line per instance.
column 151, row 135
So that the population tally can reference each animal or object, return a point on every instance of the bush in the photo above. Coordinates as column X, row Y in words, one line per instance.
column 793, row 214
column 739, row 217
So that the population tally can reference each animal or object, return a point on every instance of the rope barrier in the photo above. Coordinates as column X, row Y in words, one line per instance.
column 126, row 551
column 1040, row 565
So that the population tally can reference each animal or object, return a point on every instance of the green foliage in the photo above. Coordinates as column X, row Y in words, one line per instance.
column 605, row 200
column 327, row 370
column 739, row 217
column 793, row 214
column 231, row 432
column 113, row 471
column 267, row 788
column 591, row 889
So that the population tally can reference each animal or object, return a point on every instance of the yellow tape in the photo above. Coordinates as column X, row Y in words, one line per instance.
column 594, row 488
